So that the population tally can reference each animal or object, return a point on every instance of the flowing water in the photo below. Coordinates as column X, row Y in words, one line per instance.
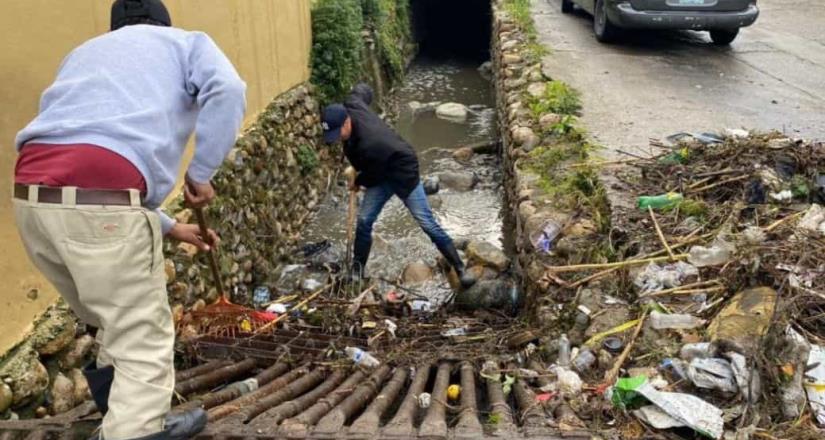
column 474, row 214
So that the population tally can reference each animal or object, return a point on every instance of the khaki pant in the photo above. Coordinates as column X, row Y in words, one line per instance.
column 107, row 264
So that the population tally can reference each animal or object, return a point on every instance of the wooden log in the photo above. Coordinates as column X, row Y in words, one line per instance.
column 294, row 389
column 303, row 422
column 270, row 419
column 237, row 390
column 366, row 426
column 435, row 422
column 332, row 423
column 184, row 375
column 530, row 412
column 402, row 424
column 216, row 377
column 217, row 413
column 468, row 425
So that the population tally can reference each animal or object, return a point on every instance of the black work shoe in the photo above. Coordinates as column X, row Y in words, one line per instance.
column 100, row 383
column 466, row 278
column 181, row 426
column 185, row 425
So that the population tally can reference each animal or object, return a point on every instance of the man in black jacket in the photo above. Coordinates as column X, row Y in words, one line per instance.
column 387, row 165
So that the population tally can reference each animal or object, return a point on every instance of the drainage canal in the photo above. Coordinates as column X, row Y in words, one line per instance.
column 453, row 40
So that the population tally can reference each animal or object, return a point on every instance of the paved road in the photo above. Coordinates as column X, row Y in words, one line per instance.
column 653, row 84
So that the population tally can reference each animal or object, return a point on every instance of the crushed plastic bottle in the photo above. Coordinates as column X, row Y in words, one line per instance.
column 662, row 321
column 461, row 331
column 584, row 360
column 260, row 296
column 361, row 357
column 717, row 254
column 564, row 351
column 543, row 241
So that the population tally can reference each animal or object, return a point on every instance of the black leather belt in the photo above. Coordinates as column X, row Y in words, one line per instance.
column 47, row 194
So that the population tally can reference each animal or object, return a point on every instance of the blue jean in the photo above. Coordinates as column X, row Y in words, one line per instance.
column 374, row 200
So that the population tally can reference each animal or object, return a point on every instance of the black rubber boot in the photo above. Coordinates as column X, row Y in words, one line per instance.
column 453, row 259
column 180, row 426
column 100, row 383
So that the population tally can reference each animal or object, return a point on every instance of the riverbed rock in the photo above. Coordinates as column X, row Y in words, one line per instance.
column 431, row 185
column 452, row 111
column 54, row 331
column 483, row 272
column 76, row 355
column 171, row 272
column 62, row 392
column 486, row 254
column 458, row 180
column 510, row 59
column 436, row 202
column 501, row 295
column 463, row 154
column 417, row 273
column 745, row 318
column 81, row 386
column 6, row 397
column 25, row 375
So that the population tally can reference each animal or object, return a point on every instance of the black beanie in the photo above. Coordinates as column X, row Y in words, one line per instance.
column 123, row 10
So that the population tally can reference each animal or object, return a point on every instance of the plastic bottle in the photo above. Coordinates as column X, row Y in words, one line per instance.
column 564, row 351
column 584, row 360
column 701, row 256
column 662, row 321
column 543, row 241
column 663, row 201
column 361, row 357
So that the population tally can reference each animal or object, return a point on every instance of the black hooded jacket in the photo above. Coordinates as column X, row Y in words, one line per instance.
column 375, row 150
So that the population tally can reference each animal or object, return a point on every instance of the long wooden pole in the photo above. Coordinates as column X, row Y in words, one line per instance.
column 213, row 252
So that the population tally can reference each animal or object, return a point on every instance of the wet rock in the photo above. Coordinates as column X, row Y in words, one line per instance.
column 76, row 356
column 549, row 120
column 745, row 318
column 25, row 375
column 177, row 313
column 452, row 111
column 508, row 45
column 489, row 294
column 463, row 154
column 6, row 397
column 417, row 273
column 54, row 332
column 483, row 273
column 436, row 202
column 458, row 181
column 81, row 391
column 62, row 394
column 526, row 138
column 486, row 254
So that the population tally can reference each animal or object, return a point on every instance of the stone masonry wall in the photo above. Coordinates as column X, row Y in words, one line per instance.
column 269, row 185
column 526, row 130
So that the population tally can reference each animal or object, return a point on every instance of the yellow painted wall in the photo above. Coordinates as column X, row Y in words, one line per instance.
column 268, row 41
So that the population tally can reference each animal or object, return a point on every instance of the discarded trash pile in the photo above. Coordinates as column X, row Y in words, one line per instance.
column 711, row 319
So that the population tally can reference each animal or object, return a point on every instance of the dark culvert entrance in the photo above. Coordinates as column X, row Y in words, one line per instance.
column 453, row 29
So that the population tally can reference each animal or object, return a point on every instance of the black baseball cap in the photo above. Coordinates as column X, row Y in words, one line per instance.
column 123, row 10
column 333, row 119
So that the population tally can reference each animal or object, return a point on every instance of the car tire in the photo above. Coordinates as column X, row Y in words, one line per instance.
column 723, row 37
column 605, row 30
column 566, row 6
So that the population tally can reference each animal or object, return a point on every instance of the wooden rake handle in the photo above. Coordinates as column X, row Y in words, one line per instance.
column 213, row 254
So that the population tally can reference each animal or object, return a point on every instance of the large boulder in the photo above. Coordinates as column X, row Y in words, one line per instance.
column 746, row 317
column 485, row 254
column 55, row 331
column 25, row 375
column 452, row 111
column 458, row 181
column 417, row 273
column 489, row 294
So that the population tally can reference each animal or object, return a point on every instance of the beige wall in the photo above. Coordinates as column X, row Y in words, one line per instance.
column 268, row 40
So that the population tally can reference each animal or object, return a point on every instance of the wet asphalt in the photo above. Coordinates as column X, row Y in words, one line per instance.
column 653, row 84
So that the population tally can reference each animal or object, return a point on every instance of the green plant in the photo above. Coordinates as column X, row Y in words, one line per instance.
column 336, row 47
column 307, row 159
column 557, row 98
column 493, row 419
column 390, row 22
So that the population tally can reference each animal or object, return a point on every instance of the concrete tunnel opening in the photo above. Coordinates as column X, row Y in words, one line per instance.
column 453, row 29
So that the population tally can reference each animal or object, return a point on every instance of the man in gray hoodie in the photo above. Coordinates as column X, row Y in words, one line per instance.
column 94, row 166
